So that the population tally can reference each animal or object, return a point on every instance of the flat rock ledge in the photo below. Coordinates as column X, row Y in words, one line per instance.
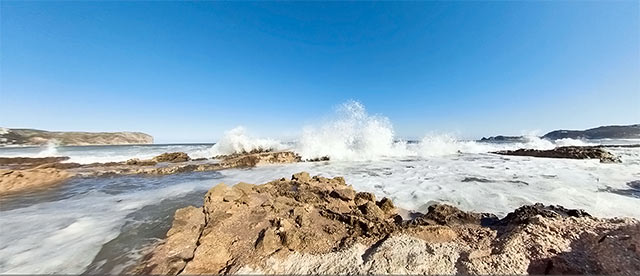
column 570, row 152
column 318, row 225
column 20, row 174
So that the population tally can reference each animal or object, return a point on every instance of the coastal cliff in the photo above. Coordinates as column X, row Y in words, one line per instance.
column 39, row 137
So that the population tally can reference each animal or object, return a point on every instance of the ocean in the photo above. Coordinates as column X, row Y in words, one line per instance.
column 104, row 224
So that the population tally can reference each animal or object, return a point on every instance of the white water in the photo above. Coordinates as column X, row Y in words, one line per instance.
column 62, row 229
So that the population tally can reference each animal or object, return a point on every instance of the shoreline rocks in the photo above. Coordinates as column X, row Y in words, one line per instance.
column 318, row 225
column 22, row 173
column 17, row 181
column 569, row 152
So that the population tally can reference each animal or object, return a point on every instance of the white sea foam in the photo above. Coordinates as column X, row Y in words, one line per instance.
column 238, row 141
column 353, row 135
column 49, row 149
column 63, row 237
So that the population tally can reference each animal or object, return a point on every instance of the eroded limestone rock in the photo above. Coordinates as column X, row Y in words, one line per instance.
column 318, row 225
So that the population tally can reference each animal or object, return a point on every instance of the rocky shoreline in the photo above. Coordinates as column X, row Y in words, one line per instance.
column 318, row 225
column 568, row 152
column 20, row 174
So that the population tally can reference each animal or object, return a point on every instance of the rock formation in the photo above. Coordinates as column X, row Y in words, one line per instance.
column 16, row 181
column 41, row 137
column 22, row 173
column 571, row 152
column 318, row 225
column 172, row 157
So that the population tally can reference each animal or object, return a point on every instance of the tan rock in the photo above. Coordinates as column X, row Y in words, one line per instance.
column 16, row 181
column 304, row 226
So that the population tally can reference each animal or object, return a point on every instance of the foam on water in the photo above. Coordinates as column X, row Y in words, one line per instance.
column 354, row 135
column 66, row 228
column 64, row 234
column 237, row 141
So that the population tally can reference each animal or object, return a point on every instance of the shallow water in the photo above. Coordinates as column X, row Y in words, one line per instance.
column 101, row 225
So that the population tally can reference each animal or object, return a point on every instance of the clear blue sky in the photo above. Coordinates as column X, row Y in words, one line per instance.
column 186, row 72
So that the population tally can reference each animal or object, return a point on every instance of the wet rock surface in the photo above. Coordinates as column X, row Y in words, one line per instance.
column 173, row 157
column 22, row 174
column 318, row 225
column 570, row 152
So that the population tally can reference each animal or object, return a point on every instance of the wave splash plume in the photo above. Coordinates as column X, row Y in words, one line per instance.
column 355, row 135
column 237, row 141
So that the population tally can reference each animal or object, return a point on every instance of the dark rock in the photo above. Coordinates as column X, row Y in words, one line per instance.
column 570, row 152
column 525, row 213
column 445, row 214
column 318, row 159
column 172, row 157
column 29, row 162
column 386, row 205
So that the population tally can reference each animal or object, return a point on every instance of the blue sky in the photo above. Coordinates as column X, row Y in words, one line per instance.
column 186, row 72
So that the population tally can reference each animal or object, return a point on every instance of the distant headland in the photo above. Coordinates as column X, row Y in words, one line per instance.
column 602, row 132
column 35, row 137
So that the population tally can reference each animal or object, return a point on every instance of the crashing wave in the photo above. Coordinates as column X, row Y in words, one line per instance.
column 237, row 141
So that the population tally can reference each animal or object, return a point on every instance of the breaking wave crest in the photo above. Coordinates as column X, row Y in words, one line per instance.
column 237, row 141
column 49, row 149
column 355, row 135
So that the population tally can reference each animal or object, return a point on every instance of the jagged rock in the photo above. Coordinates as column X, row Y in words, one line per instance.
column 302, row 226
column 344, row 194
column 172, row 157
column 318, row 159
column 364, row 197
column 570, row 152
column 254, row 159
column 179, row 246
column 526, row 213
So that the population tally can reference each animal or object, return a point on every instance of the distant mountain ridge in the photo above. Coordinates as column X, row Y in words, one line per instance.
column 603, row 132
column 70, row 138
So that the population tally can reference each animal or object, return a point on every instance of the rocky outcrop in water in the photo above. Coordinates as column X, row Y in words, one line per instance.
column 172, row 157
column 318, row 225
column 22, row 173
column 603, row 132
column 570, row 152
column 70, row 138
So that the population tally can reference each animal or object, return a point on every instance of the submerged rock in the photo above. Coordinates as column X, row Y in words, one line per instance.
column 571, row 152
column 318, row 225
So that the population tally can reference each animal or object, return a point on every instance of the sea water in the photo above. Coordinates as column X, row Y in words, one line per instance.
column 104, row 224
